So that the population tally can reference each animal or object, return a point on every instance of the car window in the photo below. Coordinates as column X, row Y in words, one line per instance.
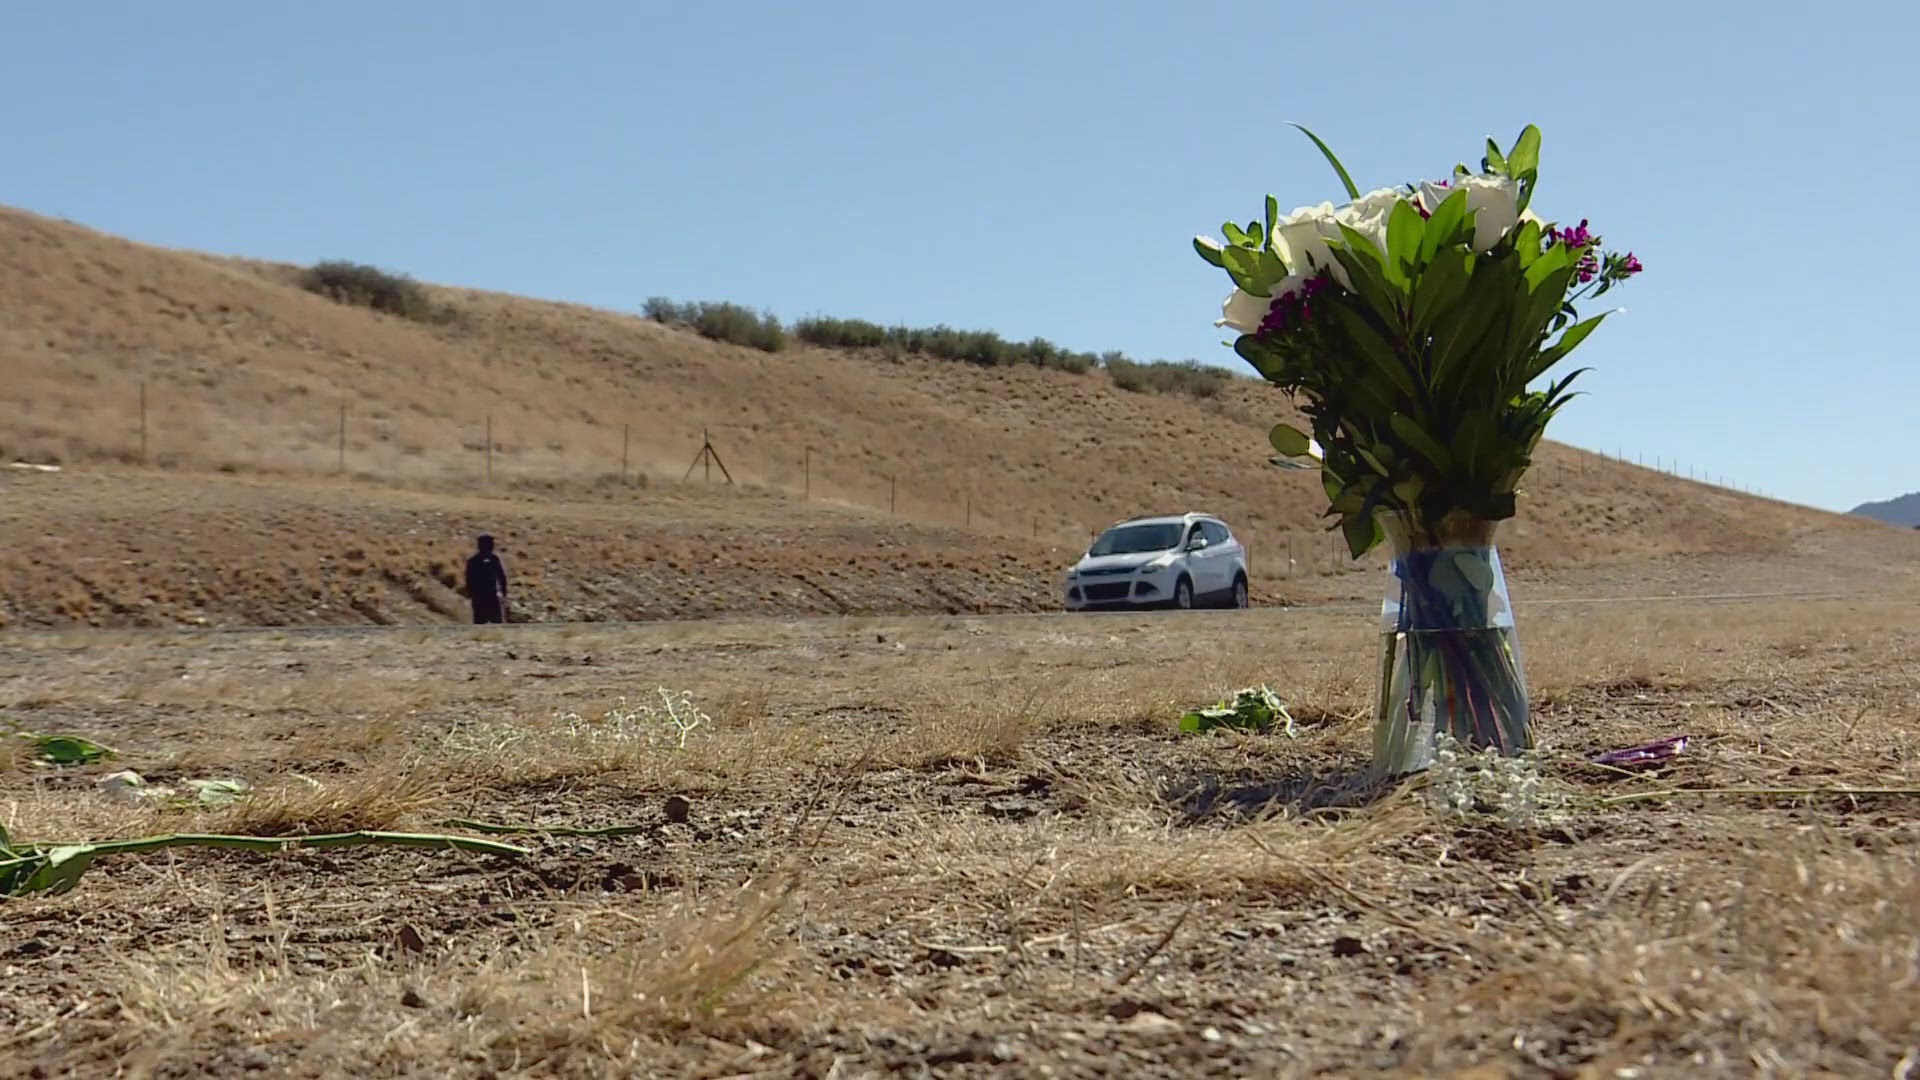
column 1215, row 532
column 1195, row 531
column 1134, row 539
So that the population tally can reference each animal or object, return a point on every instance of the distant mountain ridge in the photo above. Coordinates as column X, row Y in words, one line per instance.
column 1904, row 510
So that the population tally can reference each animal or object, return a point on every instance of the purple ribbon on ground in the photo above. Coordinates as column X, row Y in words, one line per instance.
column 1647, row 754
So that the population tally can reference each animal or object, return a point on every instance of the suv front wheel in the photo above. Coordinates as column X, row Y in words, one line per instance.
column 1239, row 591
column 1183, row 593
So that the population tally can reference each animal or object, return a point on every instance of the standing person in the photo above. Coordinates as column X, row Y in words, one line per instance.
column 487, row 583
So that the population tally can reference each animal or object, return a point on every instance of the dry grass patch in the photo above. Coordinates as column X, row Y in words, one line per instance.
column 624, row 742
column 376, row 799
column 700, row 970
column 1794, row 962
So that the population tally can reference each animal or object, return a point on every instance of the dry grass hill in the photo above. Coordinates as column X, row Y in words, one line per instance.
column 934, row 485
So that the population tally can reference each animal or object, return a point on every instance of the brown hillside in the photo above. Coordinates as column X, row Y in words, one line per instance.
column 245, row 372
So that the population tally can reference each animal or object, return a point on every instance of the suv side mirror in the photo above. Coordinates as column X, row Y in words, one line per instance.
column 1196, row 543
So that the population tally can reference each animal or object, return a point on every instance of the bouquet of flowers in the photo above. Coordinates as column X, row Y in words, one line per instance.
column 1410, row 324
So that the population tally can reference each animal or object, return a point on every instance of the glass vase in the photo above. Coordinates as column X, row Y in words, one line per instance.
column 1449, row 659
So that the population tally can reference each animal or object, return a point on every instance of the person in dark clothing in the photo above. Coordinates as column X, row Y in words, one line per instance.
column 487, row 584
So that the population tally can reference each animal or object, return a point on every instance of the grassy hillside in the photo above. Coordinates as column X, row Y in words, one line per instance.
column 245, row 371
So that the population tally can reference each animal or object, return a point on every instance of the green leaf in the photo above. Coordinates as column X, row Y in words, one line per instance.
column 1449, row 225
column 1569, row 340
column 1426, row 445
column 1442, row 284
column 1273, row 218
column 1209, row 252
column 1255, row 708
column 1254, row 271
column 1262, row 355
column 1236, row 235
column 1526, row 242
column 1406, row 233
column 1477, row 570
column 1377, row 349
column 1367, row 272
column 1373, row 461
column 1362, row 532
column 1525, row 156
column 1472, row 431
column 1289, row 441
column 60, row 869
column 1496, row 162
column 1353, row 192
column 68, row 749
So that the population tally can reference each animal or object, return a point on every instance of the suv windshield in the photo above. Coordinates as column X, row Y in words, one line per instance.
column 1133, row 539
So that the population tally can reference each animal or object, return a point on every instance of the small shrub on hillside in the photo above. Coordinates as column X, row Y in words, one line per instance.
column 369, row 286
column 841, row 333
column 986, row 348
column 1163, row 377
column 721, row 321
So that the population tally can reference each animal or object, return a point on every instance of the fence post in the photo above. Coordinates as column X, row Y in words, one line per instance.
column 969, row 510
column 341, row 466
column 143, row 422
column 893, row 491
column 489, row 451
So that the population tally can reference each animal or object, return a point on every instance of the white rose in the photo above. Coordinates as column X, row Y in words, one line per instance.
column 1494, row 203
column 1368, row 215
column 1244, row 311
column 1300, row 239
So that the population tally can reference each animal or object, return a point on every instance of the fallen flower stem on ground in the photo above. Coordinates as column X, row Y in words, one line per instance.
column 551, row 830
column 283, row 843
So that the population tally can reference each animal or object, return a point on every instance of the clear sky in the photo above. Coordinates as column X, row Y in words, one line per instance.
column 1038, row 168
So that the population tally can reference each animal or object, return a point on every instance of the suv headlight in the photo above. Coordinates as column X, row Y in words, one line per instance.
column 1157, row 565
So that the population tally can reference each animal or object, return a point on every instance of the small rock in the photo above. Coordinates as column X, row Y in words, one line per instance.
column 677, row 809
column 411, row 999
column 410, row 940
column 1349, row 946
column 1009, row 807
column 1151, row 1023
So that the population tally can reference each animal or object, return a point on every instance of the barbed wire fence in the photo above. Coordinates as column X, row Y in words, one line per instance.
column 366, row 443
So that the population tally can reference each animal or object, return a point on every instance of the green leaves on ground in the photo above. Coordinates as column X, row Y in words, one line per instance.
column 1256, row 708
column 58, row 749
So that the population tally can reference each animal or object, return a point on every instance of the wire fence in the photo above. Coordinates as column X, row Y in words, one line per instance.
column 371, row 442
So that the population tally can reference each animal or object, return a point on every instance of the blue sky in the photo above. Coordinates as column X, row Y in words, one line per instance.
column 1038, row 168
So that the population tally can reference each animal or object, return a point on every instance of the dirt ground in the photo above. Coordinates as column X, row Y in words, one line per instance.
column 966, row 845
column 149, row 548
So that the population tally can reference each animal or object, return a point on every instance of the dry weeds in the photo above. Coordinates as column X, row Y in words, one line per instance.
column 977, row 846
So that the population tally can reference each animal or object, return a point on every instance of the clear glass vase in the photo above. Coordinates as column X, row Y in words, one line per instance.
column 1449, row 659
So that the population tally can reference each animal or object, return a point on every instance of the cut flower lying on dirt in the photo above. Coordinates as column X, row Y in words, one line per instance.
column 1410, row 324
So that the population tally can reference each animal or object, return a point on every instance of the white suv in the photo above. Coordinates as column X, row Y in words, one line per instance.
column 1179, row 560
